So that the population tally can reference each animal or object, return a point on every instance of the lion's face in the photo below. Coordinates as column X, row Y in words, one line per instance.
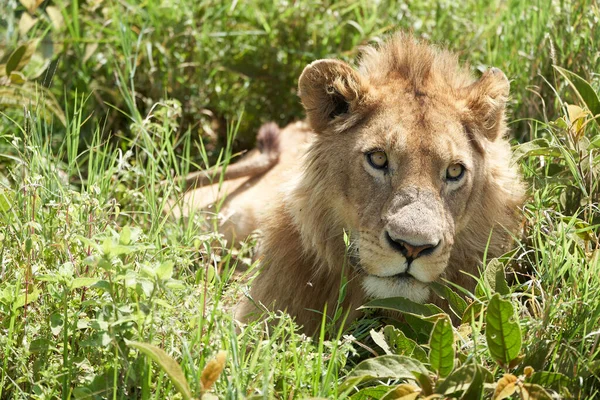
column 405, row 163
column 412, row 172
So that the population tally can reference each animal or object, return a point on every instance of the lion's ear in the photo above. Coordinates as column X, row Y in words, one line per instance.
column 329, row 89
column 486, row 102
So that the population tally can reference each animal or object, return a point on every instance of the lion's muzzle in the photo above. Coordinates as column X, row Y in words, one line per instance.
column 409, row 250
column 415, row 223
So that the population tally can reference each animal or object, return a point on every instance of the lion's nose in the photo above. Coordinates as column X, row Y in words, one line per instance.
column 411, row 251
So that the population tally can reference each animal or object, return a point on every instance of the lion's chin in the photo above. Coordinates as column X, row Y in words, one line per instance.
column 381, row 287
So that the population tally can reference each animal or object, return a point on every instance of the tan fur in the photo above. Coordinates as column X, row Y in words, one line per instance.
column 245, row 198
column 256, row 162
column 418, row 105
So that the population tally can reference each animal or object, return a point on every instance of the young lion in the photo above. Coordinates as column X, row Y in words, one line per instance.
column 409, row 157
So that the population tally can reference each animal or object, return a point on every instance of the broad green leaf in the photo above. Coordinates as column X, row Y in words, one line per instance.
column 17, row 78
column 112, row 248
column 15, row 59
column 456, row 303
column 535, row 147
column 595, row 142
column 441, row 347
column 165, row 270
column 369, row 393
column 475, row 389
column 502, row 331
column 83, row 393
column 460, row 380
column 125, row 235
column 403, row 346
column 26, row 298
column 494, row 276
column 383, row 367
column 20, row 57
column 531, row 391
column 424, row 380
column 56, row 323
column 583, row 89
column 553, row 380
column 405, row 391
column 167, row 364
column 6, row 199
column 404, row 305
column 48, row 278
column 80, row 282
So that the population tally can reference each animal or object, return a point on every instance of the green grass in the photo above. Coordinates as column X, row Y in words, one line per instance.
column 120, row 96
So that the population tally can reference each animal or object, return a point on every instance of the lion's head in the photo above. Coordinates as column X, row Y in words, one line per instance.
column 410, row 157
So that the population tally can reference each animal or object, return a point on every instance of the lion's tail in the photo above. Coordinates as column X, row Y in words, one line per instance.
column 268, row 145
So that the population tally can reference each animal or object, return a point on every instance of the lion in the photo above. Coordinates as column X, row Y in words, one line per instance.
column 238, row 202
column 406, row 155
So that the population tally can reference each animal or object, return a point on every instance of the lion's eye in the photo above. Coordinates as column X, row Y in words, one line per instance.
column 377, row 159
column 455, row 172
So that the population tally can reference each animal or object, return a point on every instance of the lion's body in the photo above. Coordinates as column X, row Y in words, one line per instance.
column 244, row 198
column 409, row 157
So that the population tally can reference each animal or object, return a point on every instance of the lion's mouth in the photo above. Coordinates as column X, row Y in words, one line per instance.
column 401, row 277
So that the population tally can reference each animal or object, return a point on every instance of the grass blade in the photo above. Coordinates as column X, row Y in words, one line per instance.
column 167, row 364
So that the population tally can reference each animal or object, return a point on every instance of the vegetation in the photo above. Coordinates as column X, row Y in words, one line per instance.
column 102, row 295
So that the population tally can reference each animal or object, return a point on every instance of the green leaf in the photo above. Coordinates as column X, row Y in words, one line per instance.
column 460, row 380
column 403, row 346
column 81, row 282
column 6, row 199
column 26, row 298
column 502, row 331
column 441, row 345
column 404, row 391
column 165, row 270
column 369, row 393
column 595, row 142
column 15, row 59
column 583, row 89
column 456, row 303
column 83, row 393
column 534, row 392
column 535, row 147
column 383, row 367
column 167, row 364
column 56, row 323
column 125, row 236
column 405, row 306
column 20, row 57
column 475, row 389
column 553, row 380
column 494, row 276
